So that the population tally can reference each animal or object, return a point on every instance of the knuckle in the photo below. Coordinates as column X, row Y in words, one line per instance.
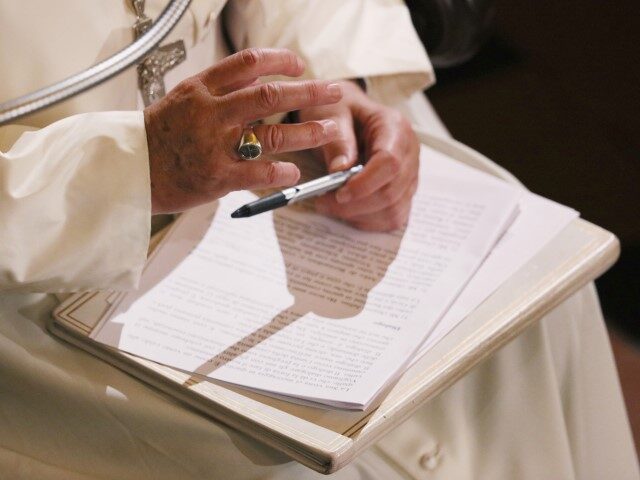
column 269, row 95
column 187, row 87
column 251, row 56
column 271, row 173
column 291, row 59
column 187, row 96
column 393, row 163
column 313, row 91
column 275, row 138
column 316, row 133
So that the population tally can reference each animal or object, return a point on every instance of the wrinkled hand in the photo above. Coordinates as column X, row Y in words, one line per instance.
column 378, row 198
column 194, row 131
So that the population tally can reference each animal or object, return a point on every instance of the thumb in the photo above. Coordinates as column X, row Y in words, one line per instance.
column 343, row 152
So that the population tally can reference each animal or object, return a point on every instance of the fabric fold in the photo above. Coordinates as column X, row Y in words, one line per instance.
column 75, row 201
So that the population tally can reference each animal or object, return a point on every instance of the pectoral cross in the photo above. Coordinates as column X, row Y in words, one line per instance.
column 152, row 68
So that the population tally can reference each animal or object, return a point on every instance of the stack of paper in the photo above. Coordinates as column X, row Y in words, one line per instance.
column 306, row 308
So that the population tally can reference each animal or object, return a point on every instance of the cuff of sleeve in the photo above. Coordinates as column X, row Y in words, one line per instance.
column 391, row 89
column 77, row 200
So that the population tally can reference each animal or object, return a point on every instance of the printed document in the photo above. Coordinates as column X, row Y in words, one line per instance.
column 294, row 304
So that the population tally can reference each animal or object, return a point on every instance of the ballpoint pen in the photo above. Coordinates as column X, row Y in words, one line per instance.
column 299, row 192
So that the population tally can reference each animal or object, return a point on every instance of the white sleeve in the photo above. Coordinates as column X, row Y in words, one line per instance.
column 372, row 39
column 75, row 203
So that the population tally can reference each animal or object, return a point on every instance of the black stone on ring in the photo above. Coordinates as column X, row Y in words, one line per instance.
column 249, row 148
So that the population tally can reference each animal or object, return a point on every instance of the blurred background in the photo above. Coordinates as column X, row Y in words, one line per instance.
column 550, row 90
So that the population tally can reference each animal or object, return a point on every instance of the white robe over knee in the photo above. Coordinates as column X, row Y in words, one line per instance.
column 75, row 214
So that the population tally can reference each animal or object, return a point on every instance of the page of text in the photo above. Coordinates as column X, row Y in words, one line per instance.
column 297, row 304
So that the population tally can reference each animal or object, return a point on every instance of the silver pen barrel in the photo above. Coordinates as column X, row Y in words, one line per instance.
column 320, row 185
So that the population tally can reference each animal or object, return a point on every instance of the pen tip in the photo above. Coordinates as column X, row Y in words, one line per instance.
column 243, row 211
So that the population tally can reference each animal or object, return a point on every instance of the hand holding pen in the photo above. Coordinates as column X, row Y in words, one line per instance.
column 378, row 198
column 299, row 192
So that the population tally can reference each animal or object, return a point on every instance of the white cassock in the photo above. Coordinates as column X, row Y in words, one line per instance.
column 75, row 214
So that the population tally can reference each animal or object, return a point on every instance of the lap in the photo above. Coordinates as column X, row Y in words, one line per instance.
column 546, row 405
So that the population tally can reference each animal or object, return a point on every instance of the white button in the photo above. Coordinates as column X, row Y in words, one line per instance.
column 430, row 458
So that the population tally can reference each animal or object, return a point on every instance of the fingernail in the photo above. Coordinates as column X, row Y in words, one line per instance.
column 330, row 127
column 338, row 163
column 335, row 91
column 343, row 196
column 289, row 173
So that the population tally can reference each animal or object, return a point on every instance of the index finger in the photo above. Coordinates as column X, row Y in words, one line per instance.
column 246, row 66
column 260, row 101
column 381, row 169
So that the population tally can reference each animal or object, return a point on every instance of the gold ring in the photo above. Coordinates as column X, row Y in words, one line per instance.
column 249, row 148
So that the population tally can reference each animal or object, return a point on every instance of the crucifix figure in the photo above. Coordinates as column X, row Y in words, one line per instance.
column 152, row 68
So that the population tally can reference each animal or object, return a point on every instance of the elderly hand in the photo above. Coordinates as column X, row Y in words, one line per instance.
column 194, row 131
column 378, row 198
